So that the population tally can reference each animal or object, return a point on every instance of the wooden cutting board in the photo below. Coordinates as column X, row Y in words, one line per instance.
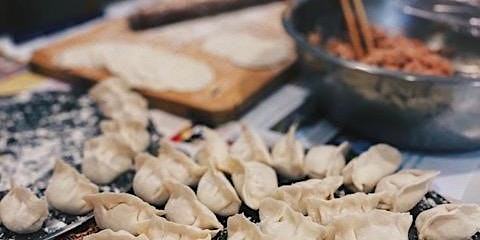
column 232, row 92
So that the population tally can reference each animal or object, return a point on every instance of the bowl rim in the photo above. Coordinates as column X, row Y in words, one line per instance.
column 301, row 41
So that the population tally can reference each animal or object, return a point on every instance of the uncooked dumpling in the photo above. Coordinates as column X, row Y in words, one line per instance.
column 240, row 228
column 105, row 158
column 404, row 189
column 372, row 225
column 121, row 211
column 161, row 229
column 21, row 211
column 253, row 181
column 279, row 221
column 214, row 150
column 183, row 207
column 148, row 183
column 366, row 170
column 250, row 147
column 325, row 161
column 132, row 133
column 288, row 156
column 67, row 188
column 215, row 191
column 325, row 211
column 108, row 234
column 296, row 195
column 449, row 222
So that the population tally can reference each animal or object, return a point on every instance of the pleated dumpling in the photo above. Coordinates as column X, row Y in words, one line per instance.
column 215, row 191
column 148, row 183
column 372, row 225
column 214, row 150
column 21, row 211
column 121, row 211
column 280, row 221
column 296, row 195
column 250, row 147
column 183, row 207
column 405, row 189
column 325, row 211
column 288, row 156
column 159, row 229
column 326, row 161
column 105, row 158
column 240, row 228
column 108, row 234
column 449, row 222
column 253, row 181
column 67, row 188
column 132, row 133
column 366, row 170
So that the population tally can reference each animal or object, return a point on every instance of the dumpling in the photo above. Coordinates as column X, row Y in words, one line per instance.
column 288, row 156
column 214, row 151
column 325, row 161
column 366, row 170
column 121, row 211
column 405, row 189
column 449, row 222
column 67, row 188
column 253, row 181
column 324, row 211
column 297, row 194
column 279, row 221
column 132, row 133
column 161, row 229
column 183, row 207
column 215, row 191
column 180, row 167
column 240, row 228
column 21, row 211
column 105, row 158
column 250, row 147
column 148, row 183
column 372, row 225
column 108, row 234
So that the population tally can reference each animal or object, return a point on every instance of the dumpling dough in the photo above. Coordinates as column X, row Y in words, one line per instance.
column 214, row 150
column 449, row 222
column 297, row 194
column 21, row 211
column 366, row 170
column 105, row 158
column 253, row 181
column 249, row 51
column 183, row 207
column 279, row 221
column 288, row 156
column 121, row 211
column 108, row 234
column 160, row 229
column 215, row 191
column 132, row 133
column 372, row 225
column 325, row 161
column 405, row 189
column 250, row 147
column 140, row 65
column 67, row 188
column 240, row 228
column 325, row 211
column 148, row 183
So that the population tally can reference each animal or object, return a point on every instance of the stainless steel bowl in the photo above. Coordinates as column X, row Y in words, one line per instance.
column 409, row 111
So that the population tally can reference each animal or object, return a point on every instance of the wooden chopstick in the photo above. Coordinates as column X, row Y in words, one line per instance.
column 352, row 28
column 364, row 25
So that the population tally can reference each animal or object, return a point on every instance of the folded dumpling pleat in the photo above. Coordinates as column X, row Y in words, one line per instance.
column 215, row 191
column 288, row 156
column 132, row 133
column 108, row 234
column 159, row 229
column 240, row 228
column 250, row 147
column 149, row 180
column 214, row 151
column 325, row 161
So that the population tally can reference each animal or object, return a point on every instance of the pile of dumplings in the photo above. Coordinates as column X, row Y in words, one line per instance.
column 225, row 177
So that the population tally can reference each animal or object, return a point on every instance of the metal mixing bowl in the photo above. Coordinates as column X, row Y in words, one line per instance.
column 407, row 110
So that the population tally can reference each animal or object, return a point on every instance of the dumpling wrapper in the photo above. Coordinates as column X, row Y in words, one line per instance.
column 149, row 180
column 215, row 191
column 449, row 222
column 66, row 190
column 214, row 151
column 365, row 171
column 240, row 228
column 405, row 189
column 326, row 161
column 250, row 147
column 288, row 156
column 108, row 234
column 131, row 132
column 159, row 229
